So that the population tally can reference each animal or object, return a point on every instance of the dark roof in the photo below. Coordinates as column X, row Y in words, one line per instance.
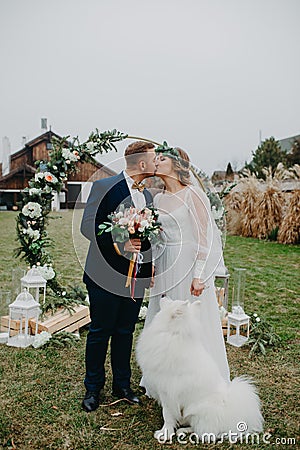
column 47, row 137
column 24, row 167
column 43, row 137
column 287, row 143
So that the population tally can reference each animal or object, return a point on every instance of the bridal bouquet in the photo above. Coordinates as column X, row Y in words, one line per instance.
column 129, row 223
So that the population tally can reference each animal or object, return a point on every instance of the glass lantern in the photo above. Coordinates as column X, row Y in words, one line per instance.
column 221, row 284
column 33, row 280
column 16, row 274
column 238, row 325
column 238, row 290
column 22, row 310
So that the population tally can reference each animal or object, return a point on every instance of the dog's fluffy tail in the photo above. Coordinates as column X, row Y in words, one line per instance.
column 235, row 407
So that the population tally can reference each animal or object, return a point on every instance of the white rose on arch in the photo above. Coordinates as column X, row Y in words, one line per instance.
column 32, row 209
column 39, row 176
column 68, row 155
column 35, row 234
column 34, row 191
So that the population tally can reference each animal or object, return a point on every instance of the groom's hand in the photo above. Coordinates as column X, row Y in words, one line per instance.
column 197, row 287
column 133, row 246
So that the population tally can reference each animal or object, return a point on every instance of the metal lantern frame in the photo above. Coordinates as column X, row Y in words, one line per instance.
column 235, row 322
column 23, row 309
column 33, row 280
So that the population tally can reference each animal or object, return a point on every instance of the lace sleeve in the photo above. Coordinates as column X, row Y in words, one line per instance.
column 206, row 234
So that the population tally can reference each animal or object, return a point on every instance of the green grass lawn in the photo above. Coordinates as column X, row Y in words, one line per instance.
column 41, row 390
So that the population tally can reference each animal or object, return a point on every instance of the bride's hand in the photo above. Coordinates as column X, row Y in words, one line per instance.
column 197, row 287
column 152, row 277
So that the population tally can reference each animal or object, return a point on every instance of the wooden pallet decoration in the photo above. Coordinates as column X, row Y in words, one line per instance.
column 224, row 326
column 14, row 325
column 63, row 320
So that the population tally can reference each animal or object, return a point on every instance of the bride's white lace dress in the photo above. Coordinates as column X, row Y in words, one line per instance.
column 192, row 248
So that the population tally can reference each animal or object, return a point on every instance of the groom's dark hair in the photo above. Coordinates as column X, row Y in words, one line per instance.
column 135, row 150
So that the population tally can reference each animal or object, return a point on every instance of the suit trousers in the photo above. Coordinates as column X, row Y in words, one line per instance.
column 112, row 317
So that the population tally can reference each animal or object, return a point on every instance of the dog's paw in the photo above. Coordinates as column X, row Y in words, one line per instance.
column 164, row 435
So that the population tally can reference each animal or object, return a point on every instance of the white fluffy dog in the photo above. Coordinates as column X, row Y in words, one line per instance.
column 186, row 381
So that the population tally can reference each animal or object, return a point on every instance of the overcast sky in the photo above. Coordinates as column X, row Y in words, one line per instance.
column 205, row 75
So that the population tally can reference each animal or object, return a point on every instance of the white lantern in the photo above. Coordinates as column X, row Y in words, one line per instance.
column 33, row 280
column 23, row 309
column 238, row 327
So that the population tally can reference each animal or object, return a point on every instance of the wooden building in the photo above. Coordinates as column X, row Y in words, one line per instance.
column 22, row 169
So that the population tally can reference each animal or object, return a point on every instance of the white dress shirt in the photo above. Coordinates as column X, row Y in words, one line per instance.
column 138, row 197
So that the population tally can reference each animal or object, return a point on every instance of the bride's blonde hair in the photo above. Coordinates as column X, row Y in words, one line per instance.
column 181, row 166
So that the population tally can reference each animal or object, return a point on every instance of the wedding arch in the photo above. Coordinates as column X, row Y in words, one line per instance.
column 49, row 179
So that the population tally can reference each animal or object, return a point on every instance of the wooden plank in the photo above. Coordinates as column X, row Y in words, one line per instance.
column 14, row 324
column 224, row 326
column 61, row 320
column 76, row 325
column 12, row 332
column 60, row 315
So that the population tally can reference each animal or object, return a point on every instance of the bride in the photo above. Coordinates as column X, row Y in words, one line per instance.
column 185, row 264
column 181, row 350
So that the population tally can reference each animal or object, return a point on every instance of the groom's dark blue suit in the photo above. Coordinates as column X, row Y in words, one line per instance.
column 112, row 310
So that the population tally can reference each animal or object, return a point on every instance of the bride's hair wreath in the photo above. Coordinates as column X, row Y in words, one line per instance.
column 180, row 160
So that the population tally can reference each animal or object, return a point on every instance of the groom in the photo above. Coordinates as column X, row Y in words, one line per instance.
column 112, row 310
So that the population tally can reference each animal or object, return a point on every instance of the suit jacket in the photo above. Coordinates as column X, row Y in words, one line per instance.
column 104, row 266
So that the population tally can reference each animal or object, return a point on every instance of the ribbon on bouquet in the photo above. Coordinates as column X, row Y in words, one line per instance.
column 134, row 267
